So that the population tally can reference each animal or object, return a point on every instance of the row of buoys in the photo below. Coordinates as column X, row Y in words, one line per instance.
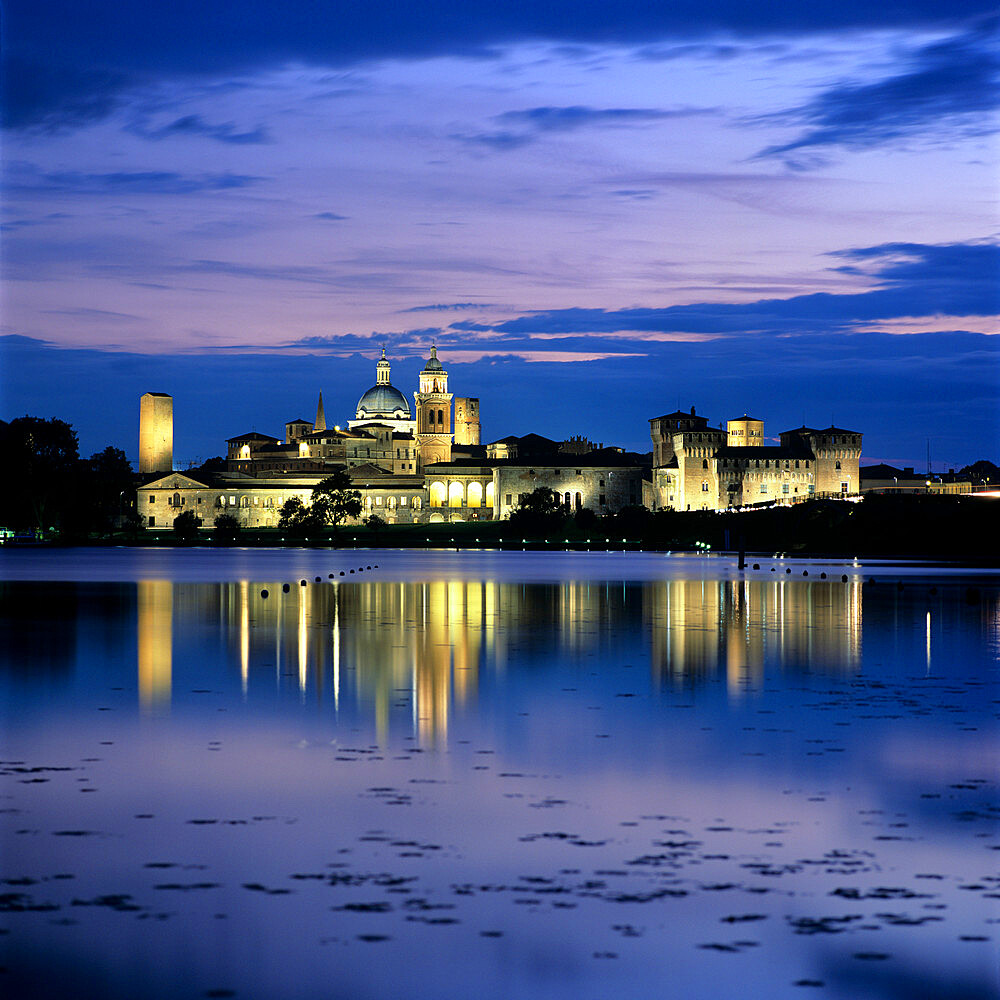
column 805, row 572
column 286, row 587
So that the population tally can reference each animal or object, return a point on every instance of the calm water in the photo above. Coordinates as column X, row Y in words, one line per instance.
column 495, row 775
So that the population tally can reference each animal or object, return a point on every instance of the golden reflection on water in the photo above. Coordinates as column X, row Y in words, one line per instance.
column 427, row 644
column 155, row 603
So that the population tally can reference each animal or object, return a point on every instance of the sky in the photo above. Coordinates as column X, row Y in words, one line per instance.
column 597, row 214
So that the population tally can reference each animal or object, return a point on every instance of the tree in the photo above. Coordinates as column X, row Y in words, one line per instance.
column 981, row 472
column 108, row 489
column 227, row 528
column 299, row 520
column 540, row 510
column 186, row 525
column 336, row 500
column 39, row 458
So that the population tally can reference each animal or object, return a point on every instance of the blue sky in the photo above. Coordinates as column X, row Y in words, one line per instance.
column 597, row 215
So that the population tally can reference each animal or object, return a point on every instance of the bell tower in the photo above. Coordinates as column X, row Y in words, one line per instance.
column 433, row 413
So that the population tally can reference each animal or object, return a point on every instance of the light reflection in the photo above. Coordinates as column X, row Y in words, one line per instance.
column 155, row 618
column 424, row 647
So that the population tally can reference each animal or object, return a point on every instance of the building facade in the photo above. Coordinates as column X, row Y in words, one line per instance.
column 699, row 467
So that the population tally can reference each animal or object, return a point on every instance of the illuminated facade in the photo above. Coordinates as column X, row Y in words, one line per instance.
column 699, row 467
column 410, row 465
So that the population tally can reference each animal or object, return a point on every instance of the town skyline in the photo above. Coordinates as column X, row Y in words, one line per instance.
column 598, row 217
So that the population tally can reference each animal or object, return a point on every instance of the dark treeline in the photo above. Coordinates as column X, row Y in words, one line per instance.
column 51, row 489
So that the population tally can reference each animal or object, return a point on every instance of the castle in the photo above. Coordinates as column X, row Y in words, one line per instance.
column 426, row 464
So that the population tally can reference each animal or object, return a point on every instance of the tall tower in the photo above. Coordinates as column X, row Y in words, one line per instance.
column 433, row 413
column 466, row 420
column 156, row 432
column 320, row 424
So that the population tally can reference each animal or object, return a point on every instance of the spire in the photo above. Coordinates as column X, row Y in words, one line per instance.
column 382, row 370
column 320, row 424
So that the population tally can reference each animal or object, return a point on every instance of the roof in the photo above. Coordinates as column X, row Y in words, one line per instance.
column 886, row 471
column 300, row 420
column 252, row 436
column 384, row 401
column 746, row 417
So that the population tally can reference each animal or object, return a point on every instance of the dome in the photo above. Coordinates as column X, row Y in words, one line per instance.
column 383, row 400
column 433, row 365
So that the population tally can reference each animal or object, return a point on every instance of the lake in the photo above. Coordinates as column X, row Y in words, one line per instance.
column 376, row 773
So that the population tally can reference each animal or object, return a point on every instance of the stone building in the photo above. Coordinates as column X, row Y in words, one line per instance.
column 699, row 467
column 410, row 465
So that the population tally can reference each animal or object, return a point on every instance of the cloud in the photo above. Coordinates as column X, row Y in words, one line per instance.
column 28, row 177
column 68, row 64
column 945, row 90
column 331, row 216
column 195, row 125
column 534, row 122
column 449, row 306
column 910, row 279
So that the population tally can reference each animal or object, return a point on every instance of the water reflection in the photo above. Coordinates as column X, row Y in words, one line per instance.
column 699, row 628
column 389, row 644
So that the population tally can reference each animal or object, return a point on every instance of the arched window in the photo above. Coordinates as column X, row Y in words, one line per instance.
column 441, row 417
column 177, row 497
column 838, row 463
column 439, row 494
column 489, row 494
column 455, row 495
column 244, row 501
column 704, row 463
column 579, row 501
column 568, row 500
column 475, row 494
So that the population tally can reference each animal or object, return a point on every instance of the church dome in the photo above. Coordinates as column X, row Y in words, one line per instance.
column 383, row 400
column 433, row 365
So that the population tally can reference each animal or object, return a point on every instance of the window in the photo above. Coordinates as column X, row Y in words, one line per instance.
column 600, row 482
column 763, row 487
column 704, row 487
column 507, row 499
column 152, row 499
column 812, row 489
column 152, row 521
column 838, row 465
column 555, row 472
column 784, row 487
column 378, row 501
column 843, row 487
column 441, row 417
column 232, row 501
column 579, row 472
column 704, row 463
column 601, row 500
column 403, row 501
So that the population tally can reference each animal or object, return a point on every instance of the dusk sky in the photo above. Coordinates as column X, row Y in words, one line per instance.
column 598, row 213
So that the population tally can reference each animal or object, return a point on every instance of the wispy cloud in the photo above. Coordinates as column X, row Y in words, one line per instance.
column 944, row 90
column 449, row 307
column 331, row 217
column 195, row 125
column 28, row 177
column 520, row 127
